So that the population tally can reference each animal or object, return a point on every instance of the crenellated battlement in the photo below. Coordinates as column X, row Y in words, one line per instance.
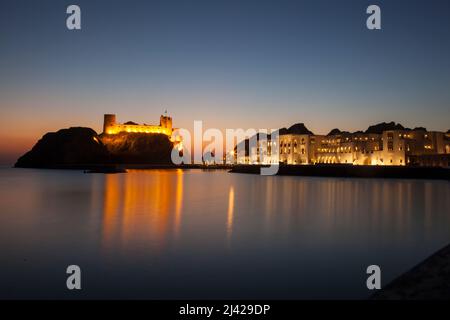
column 110, row 126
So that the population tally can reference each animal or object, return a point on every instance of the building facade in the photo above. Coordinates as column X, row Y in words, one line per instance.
column 390, row 148
column 297, row 149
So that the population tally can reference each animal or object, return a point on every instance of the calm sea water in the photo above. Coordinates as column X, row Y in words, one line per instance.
column 194, row 234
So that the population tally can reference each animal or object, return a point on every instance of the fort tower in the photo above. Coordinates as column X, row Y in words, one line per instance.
column 109, row 123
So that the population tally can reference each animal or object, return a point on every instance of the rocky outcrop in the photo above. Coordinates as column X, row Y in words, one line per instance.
column 430, row 280
column 142, row 148
column 379, row 128
column 336, row 131
column 83, row 148
column 298, row 128
column 73, row 146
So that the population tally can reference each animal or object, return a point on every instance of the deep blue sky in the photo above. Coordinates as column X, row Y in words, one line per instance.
column 262, row 64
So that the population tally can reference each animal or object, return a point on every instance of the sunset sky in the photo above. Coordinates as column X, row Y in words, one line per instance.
column 246, row 63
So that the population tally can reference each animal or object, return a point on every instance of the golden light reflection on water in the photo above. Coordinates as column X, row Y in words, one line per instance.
column 142, row 205
column 230, row 214
column 156, row 208
column 153, row 221
column 178, row 202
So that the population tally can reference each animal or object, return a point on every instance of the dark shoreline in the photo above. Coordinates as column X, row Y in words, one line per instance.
column 429, row 280
column 122, row 168
column 332, row 170
column 350, row 171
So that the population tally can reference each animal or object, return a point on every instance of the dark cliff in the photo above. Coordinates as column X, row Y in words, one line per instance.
column 78, row 147
column 298, row 128
column 384, row 126
column 73, row 146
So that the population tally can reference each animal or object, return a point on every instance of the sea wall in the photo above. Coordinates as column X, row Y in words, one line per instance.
column 351, row 171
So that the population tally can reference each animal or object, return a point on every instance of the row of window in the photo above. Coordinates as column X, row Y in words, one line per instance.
column 288, row 151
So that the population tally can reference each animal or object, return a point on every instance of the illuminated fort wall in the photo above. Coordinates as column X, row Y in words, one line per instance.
column 110, row 126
